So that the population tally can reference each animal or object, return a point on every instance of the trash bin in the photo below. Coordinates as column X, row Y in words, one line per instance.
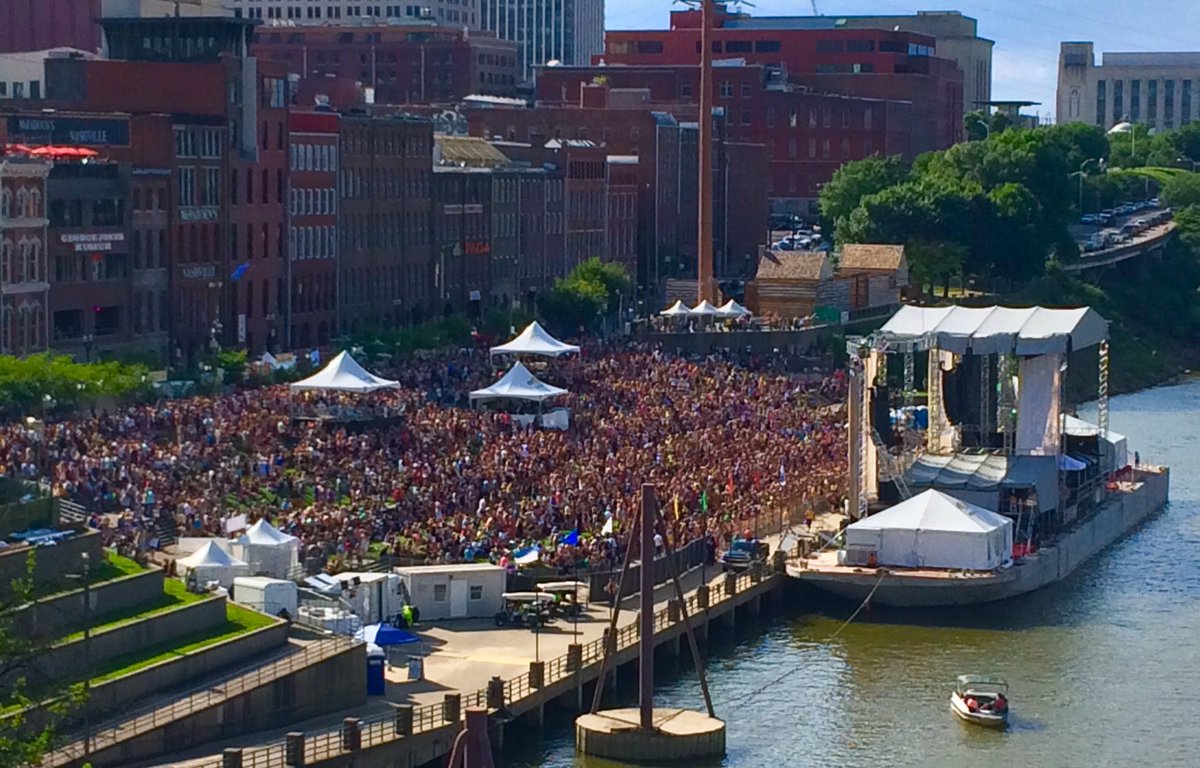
column 416, row 668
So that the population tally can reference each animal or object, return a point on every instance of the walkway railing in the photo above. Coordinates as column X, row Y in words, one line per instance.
column 384, row 728
column 213, row 693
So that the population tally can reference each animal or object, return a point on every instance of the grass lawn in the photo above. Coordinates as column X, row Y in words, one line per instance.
column 113, row 567
column 239, row 621
column 175, row 595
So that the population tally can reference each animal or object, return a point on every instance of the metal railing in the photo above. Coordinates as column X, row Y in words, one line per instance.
column 382, row 728
column 150, row 718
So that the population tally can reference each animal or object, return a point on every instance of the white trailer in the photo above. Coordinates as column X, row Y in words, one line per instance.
column 272, row 596
column 466, row 591
column 373, row 597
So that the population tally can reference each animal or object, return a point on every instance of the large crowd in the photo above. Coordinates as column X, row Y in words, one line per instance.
column 726, row 444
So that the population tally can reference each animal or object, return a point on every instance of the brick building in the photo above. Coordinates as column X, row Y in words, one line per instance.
column 312, row 234
column 33, row 25
column 385, row 269
column 884, row 63
column 462, row 218
column 411, row 63
column 24, row 289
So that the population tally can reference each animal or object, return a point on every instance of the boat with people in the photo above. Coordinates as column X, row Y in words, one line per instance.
column 980, row 700
column 992, row 489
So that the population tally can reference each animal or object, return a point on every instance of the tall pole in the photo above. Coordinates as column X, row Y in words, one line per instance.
column 87, row 650
column 646, row 611
column 704, row 242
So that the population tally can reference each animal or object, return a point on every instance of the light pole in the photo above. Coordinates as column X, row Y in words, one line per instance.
column 1131, row 129
column 87, row 645
column 1081, row 173
column 987, row 129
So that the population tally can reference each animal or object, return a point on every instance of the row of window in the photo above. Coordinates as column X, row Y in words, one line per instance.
column 824, row 146
column 90, row 267
column 198, row 142
column 389, row 183
column 149, row 249
column 23, row 331
column 151, row 311
column 313, row 157
column 26, row 203
column 368, row 284
column 103, row 212
column 314, row 293
column 20, row 262
column 1136, row 102
column 19, row 89
column 362, row 232
column 313, row 242
column 307, row 202
column 826, row 118
column 361, row 141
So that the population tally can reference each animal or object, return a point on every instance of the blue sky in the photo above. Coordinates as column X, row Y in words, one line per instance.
column 1027, row 32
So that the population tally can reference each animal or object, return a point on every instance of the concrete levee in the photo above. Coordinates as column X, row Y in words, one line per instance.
column 52, row 565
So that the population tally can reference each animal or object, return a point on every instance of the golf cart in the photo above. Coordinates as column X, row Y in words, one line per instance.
column 570, row 597
column 526, row 609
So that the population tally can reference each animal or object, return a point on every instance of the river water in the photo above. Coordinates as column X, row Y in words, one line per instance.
column 1104, row 667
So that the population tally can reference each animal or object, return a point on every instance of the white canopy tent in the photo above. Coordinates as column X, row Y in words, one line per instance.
column 268, row 550
column 211, row 563
column 676, row 310
column 534, row 340
column 518, row 384
column 732, row 309
column 992, row 330
column 703, row 309
column 934, row 530
column 343, row 374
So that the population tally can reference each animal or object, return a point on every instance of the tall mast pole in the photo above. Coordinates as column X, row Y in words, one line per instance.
column 704, row 243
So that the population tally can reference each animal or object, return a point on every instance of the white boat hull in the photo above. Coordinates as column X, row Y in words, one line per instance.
column 986, row 719
column 1114, row 519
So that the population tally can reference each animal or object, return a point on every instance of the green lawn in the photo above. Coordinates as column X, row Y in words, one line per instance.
column 239, row 621
column 114, row 567
column 175, row 595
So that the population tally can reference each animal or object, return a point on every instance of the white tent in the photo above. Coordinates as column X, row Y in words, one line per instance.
column 269, row 551
column 676, row 310
column 703, row 309
column 934, row 530
column 211, row 563
column 732, row 309
column 534, row 340
column 518, row 384
column 343, row 374
column 989, row 330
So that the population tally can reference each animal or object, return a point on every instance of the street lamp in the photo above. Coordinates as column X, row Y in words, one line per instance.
column 1082, row 172
column 84, row 577
column 987, row 129
column 1126, row 127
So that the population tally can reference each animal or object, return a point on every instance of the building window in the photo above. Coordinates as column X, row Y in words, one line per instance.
column 439, row 593
column 476, row 592
column 829, row 46
column 1118, row 112
column 867, row 117
column 825, row 149
column 792, row 148
column 1151, row 102
column 812, row 148
column 826, row 117
column 1168, row 104
column 726, row 89
column 1185, row 102
column 845, row 118
column 1101, row 112
column 812, row 118
column 845, row 149
column 745, row 117
column 187, row 186
column 767, row 46
column 1135, row 100
column 770, row 117
column 745, row 90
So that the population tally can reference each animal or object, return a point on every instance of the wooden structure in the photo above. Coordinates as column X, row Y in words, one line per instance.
column 787, row 282
column 877, row 274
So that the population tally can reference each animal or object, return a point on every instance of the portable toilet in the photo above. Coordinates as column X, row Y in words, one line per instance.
column 376, row 659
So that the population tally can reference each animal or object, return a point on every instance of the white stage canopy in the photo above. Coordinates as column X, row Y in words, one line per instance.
column 934, row 530
column 343, row 374
column 211, row 563
column 534, row 340
column 991, row 330
column 676, row 310
column 703, row 309
column 732, row 309
column 518, row 384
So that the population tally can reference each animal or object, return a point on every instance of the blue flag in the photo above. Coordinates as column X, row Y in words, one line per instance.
column 571, row 538
column 239, row 271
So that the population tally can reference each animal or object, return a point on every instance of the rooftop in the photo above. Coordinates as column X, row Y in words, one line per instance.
column 791, row 265
column 869, row 256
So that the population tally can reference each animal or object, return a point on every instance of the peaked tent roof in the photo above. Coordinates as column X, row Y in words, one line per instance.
column 209, row 555
column 1077, row 427
column 264, row 534
column 676, row 310
column 534, row 340
column 704, row 308
column 732, row 309
column 991, row 330
column 344, row 374
column 933, row 511
column 518, row 384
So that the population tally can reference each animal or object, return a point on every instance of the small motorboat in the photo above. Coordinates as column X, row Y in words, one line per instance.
column 981, row 700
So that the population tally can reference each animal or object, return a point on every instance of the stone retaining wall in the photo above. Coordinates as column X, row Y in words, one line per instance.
column 64, row 613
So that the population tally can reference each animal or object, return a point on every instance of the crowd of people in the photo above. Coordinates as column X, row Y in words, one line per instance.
column 726, row 445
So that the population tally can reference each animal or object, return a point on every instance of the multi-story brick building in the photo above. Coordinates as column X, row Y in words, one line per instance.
column 33, row 25
column 24, row 289
column 312, row 233
column 385, row 269
column 415, row 63
column 884, row 63
column 460, row 13
column 462, row 218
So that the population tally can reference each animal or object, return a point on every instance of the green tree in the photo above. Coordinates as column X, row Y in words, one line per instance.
column 854, row 181
column 1181, row 190
column 572, row 304
column 611, row 275
column 980, row 125
column 931, row 263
